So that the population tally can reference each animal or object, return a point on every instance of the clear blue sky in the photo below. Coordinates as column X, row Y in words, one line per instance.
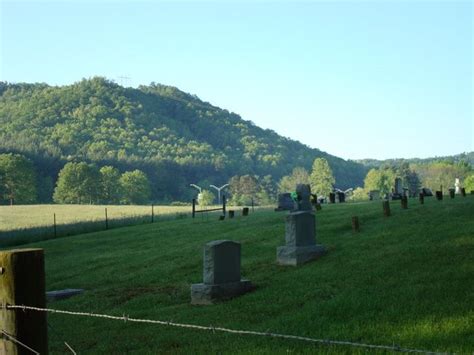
column 376, row 79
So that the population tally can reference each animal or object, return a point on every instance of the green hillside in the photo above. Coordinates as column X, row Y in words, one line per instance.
column 174, row 137
column 403, row 280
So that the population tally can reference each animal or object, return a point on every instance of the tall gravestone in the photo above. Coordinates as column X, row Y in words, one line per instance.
column 221, row 274
column 300, row 232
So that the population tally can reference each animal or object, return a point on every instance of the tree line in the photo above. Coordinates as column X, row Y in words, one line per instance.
column 86, row 183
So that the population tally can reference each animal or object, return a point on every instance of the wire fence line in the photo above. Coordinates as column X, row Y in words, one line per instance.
column 125, row 318
column 16, row 341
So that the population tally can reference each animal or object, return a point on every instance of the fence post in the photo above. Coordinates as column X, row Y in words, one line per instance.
column 152, row 213
column 223, row 204
column 106, row 220
column 22, row 282
column 194, row 207
column 55, row 229
column 386, row 208
column 355, row 224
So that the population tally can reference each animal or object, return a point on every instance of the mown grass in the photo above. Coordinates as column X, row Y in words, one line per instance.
column 404, row 280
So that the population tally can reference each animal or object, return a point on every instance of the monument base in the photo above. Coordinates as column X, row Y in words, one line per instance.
column 209, row 294
column 294, row 256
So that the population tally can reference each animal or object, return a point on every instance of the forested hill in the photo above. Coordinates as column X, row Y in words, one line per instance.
column 467, row 158
column 174, row 137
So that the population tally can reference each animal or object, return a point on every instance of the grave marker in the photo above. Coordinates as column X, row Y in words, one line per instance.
column 386, row 208
column 300, row 233
column 221, row 274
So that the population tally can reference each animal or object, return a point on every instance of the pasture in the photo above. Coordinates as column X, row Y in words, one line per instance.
column 404, row 280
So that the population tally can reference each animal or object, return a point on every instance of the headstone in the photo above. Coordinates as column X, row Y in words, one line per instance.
column 404, row 202
column 451, row 192
column 341, row 197
column 374, row 195
column 231, row 213
column 63, row 294
column 422, row 198
column 463, row 192
column 457, row 186
column 427, row 192
column 439, row 195
column 221, row 218
column 300, row 233
column 245, row 211
column 398, row 192
column 221, row 274
column 285, row 202
column 332, row 197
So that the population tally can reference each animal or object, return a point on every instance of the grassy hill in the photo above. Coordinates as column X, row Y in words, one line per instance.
column 175, row 137
column 404, row 280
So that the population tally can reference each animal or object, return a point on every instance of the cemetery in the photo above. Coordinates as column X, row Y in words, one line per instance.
column 345, row 272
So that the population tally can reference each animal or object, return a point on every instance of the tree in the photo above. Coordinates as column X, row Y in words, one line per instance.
column 135, row 187
column 17, row 179
column 205, row 198
column 321, row 178
column 409, row 177
column 382, row 179
column 77, row 183
column 243, row 189
column 288, row 183
column 359, row 194
column 110, row 188
column 469, row 183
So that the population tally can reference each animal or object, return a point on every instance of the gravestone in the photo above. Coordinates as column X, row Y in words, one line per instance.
column 398, row 190
column 457, row 186
column 439, row 195
column 285, row 202
column 422, row 198
column 463, row 192
column 221, row 274
column 374, row 195
column 231, row 213
column 451, row 193
column 245, row 211
column 332, row 197
column 341, row 196
column 427, row 192
column 300, row 233
column 404, row 202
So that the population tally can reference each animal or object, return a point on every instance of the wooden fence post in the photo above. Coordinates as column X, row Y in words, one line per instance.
column 386, row 208
column 355, row 224
column 106, row 220
column 22, row 282
column 55, row 229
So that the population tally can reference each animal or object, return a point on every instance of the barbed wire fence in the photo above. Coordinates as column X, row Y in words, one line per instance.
column 125, row 318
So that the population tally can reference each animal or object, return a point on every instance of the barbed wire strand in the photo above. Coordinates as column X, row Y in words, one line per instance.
column 220, row 329
column 16, row 341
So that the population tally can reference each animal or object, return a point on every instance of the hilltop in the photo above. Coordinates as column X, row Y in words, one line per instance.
column 174, row 137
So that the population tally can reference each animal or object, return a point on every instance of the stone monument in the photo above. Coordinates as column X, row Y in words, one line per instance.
column 398, row 190
column 221, row 274
column 457, row 186
column 285, row 202
column 300, row 232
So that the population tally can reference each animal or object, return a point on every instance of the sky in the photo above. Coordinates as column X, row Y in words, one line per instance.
column 357, row 79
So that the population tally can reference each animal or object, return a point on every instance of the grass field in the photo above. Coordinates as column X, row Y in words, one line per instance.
column 29, row 216
column 405, row 280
